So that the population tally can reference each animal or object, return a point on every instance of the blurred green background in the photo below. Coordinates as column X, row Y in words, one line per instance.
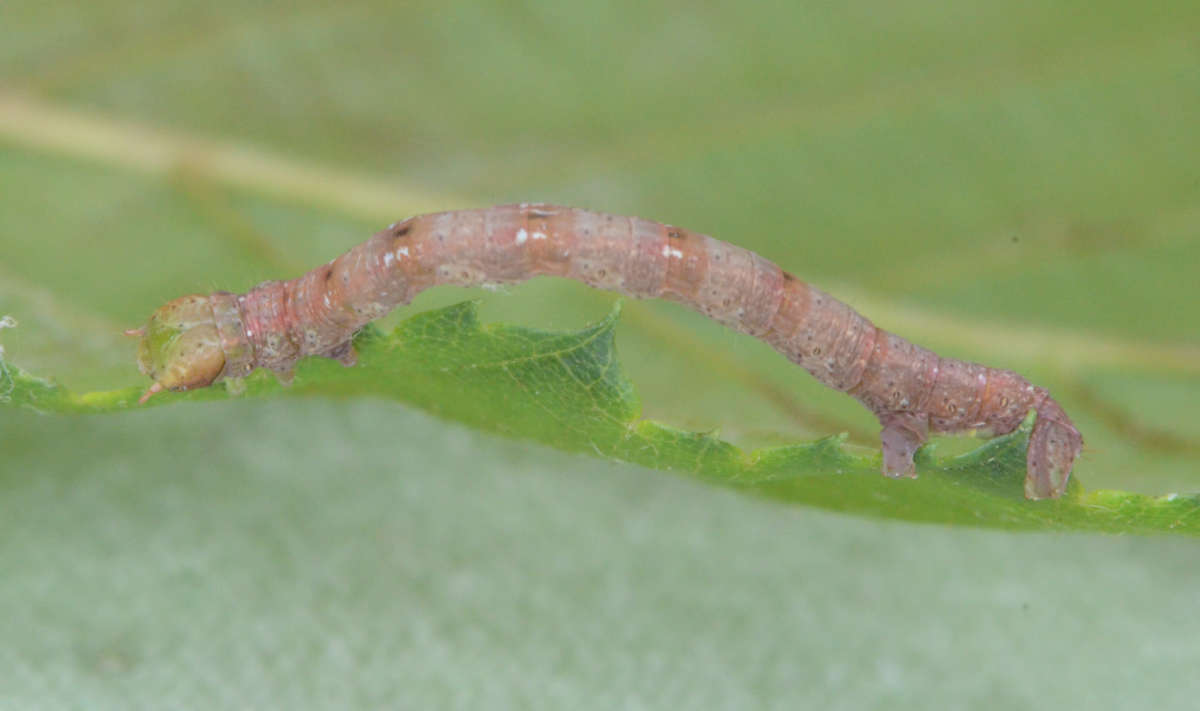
column 1015, row 183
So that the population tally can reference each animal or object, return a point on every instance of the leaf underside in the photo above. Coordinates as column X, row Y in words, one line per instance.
column 568, row 390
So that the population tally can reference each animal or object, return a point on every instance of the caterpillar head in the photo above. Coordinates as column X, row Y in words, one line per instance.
column 180, row 346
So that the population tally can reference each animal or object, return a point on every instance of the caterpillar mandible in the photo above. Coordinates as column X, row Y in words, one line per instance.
column 194, row 341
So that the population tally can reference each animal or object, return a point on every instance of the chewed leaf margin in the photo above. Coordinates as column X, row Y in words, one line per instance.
column 568, row 390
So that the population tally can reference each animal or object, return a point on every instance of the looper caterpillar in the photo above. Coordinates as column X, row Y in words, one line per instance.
column 193, row 341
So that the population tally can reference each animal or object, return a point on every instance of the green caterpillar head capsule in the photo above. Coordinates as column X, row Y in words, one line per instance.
column 180, row 346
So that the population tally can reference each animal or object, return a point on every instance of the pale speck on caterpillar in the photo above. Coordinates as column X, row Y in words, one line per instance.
column 194, row 341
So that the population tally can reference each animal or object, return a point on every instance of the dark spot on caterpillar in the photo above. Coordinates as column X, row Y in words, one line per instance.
column 403, row 229
column 674, row 234
column 788, row 277
column 328, row 273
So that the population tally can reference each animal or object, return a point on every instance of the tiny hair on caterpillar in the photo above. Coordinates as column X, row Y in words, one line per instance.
column 197, row 340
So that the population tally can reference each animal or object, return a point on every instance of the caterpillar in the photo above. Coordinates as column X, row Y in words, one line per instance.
column 196, row 340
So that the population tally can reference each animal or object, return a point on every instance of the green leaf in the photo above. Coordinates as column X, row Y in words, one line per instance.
column 1010, row 183
column 568, row 390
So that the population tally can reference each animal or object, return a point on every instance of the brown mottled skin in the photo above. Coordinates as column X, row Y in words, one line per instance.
column 912, row 390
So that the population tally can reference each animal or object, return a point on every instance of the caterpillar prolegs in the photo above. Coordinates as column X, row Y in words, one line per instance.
column 195, row 340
